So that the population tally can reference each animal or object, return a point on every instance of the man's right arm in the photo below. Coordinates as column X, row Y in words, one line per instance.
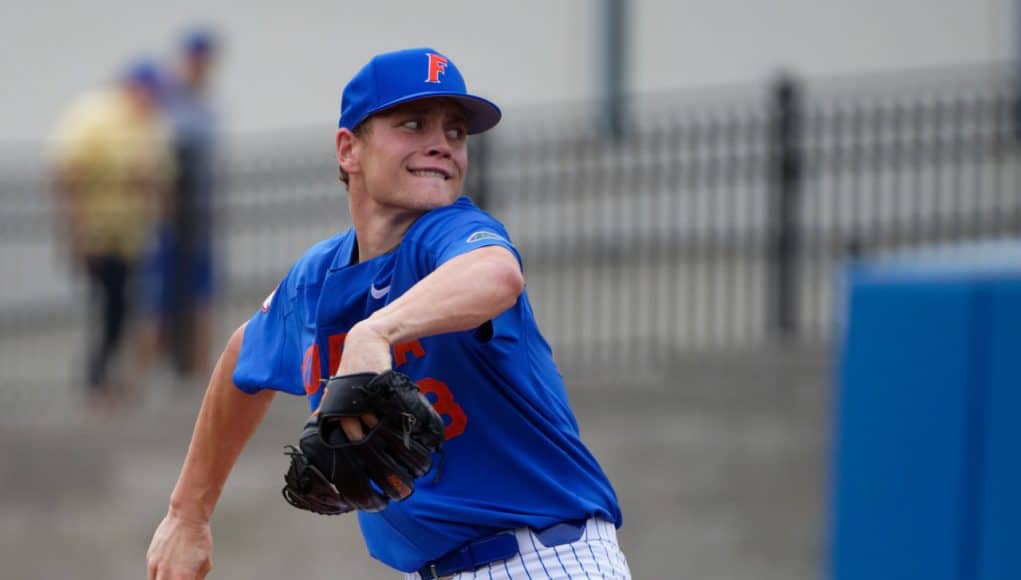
column 182, row 547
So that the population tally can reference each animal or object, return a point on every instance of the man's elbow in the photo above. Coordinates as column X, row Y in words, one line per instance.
column 233, row 348
column 508, row 280
column 224, row 369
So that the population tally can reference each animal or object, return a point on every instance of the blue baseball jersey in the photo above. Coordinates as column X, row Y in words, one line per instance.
column 514, row 457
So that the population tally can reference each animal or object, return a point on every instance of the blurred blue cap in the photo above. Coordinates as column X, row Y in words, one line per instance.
column 399, row 77
column 144, row 73
column 198, row 42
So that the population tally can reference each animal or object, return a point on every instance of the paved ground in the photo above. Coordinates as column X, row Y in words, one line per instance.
column 720, row 476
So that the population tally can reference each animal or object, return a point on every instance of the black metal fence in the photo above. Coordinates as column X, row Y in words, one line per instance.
column 710, row 224
column 726, row 225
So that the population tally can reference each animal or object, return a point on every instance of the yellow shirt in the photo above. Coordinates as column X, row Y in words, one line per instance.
column 120, row 164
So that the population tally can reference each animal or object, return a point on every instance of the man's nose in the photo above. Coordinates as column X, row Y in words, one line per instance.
column 438, row 145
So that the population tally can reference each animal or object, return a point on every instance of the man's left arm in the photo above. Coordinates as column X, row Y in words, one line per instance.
column 461, row 294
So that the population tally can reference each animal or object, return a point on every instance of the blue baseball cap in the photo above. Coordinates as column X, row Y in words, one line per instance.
column 198, row 42
column 144, row 73
column 399, row 77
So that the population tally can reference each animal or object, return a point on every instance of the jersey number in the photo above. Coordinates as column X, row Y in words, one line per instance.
column 445, row 405
column 442, row 399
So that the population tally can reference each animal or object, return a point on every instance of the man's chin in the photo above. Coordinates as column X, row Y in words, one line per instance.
column 428, row 200
column 420, row 201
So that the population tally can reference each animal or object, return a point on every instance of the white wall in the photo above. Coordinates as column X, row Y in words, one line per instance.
column 695, row 42
column 285, row 65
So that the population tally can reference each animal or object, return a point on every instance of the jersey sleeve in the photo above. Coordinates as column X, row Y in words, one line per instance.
column 459, row 233
column 270, row 351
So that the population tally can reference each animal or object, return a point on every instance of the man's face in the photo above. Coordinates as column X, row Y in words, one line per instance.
column 413, row 156
column 142, row 99
column 195, row 69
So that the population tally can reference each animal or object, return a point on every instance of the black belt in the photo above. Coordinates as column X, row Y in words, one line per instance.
column 499, row 546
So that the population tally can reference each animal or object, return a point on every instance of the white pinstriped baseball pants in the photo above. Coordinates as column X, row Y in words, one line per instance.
column 596, row 555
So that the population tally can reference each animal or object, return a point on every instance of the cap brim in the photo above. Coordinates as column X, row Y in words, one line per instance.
column 482, row 114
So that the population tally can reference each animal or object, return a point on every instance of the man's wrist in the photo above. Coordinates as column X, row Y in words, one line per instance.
column 188, row 511
column 375, row 327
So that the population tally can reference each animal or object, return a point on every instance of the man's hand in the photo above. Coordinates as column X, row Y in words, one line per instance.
column 181, row 549
column 365, row 350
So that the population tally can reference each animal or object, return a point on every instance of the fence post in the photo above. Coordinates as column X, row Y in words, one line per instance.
column 784, row 193
column 1016, row 29
column 1017, row 100
column 613, row 67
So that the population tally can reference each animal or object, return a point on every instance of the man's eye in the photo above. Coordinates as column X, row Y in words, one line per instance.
column 456, row 134
column 412, row 125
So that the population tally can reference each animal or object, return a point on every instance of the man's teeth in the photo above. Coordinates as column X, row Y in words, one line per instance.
column 428, row 173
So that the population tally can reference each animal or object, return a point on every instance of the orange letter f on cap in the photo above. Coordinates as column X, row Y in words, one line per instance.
column 437, row 66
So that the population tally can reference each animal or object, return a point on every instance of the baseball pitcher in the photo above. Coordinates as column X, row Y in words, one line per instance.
column 438, row 415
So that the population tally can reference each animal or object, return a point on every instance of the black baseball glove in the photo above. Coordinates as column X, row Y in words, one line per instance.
column 329, row 474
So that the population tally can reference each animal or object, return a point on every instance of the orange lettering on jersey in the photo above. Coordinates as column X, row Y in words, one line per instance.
column 310, row 370
column 437, row 66
column 445, row 405
column 401, row 351
column 336, row 346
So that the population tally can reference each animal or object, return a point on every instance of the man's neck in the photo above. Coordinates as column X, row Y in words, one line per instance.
column 379, row 229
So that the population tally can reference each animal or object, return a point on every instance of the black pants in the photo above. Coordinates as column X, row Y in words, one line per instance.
column 108, row 284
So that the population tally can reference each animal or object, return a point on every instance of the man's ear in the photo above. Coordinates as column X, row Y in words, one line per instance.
column 347, row 152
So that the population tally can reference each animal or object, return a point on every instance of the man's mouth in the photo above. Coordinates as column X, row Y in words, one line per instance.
column 430, row 172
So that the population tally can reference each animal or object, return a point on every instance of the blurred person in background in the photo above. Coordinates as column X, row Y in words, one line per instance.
column 112, row 167
column 178, row 277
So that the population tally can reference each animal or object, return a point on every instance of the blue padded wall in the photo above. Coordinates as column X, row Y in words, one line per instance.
column 998, row 535
column 902, row 431
column 926, row 467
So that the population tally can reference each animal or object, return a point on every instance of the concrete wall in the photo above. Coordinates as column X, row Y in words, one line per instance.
column 284, row 67
column 719, row 471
